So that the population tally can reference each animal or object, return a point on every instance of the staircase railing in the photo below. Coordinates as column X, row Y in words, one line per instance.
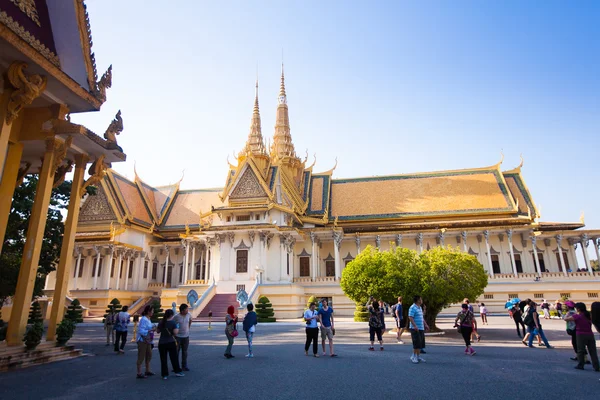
column 196, row 309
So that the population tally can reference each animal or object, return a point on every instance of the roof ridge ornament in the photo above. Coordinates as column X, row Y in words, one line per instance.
column 115, row 128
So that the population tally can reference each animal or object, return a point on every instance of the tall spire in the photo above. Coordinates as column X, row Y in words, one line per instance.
column 255, row 144
column 282, row 139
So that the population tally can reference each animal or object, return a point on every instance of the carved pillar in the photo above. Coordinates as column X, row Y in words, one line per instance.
column 166, row 273
column 538, row 268
column 440, row 239
column 8, row 181
column 337, row 239
column 399, row 240
column 377, row 242
column 463, row 236
column 33, row 247
column 194, row 267
column 315, row 260
column 186, row 260
column 129, row 255
column 282, row 257
column 419, row 241
column 560, row 253
column 357, row 240
column 596, row 243
column 584, row 245
column 77, row 267
column 119, row 267
column 108, row 266
column 486, row 235
column 97, row 261
column 509, row 234
column 572, row 249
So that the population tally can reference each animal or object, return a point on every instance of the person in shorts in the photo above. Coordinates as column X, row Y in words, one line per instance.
column 327, row 327
column 417, row 329
column 400, row 321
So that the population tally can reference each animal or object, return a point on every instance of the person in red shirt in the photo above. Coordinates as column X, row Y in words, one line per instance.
column 585, row 336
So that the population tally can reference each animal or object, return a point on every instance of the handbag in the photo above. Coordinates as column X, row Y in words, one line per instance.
column 234, row 332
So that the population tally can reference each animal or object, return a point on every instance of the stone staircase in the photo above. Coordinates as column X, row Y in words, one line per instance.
column 218, row 305
column 18, row 357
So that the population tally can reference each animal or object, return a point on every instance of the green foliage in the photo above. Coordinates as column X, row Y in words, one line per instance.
column 158, row 312
column 16, row 231
column 361, row 314
column 33, row 336
column 441, row 276
column 75, row 312
column 65, row 330
column 264, row 310
column 113, row 308
column 35, row 313
column 312, row 299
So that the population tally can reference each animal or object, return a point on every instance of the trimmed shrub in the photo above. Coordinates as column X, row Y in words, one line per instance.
column 158, row 312
column 34, row 334
column 264, row 310
column 113, row 308
column 361, row 314
column 75, row 312
column 64, row 331
column 35, row 313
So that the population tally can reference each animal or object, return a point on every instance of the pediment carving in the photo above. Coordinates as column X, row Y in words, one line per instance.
column 97, row 208
column 248, row 187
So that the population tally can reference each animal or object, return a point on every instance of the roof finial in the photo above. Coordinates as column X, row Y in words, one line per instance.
column 256, row 96
column 282, row 87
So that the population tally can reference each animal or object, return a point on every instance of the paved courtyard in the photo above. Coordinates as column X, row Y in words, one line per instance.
column 503, row 368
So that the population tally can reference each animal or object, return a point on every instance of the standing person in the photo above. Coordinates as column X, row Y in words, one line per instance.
column 596, row 315
column 167, row 345
column 466, row 317
column 121, row 322
column 534, row 327
column 184, row 320
column 468, row 303
column 382, row 314
column 400, row 323
column 327, row 327
column 585, row 336
column 483, row 312
column 546, row 309
column 571, row 327
column 108, row 327
column 312, row 331
column 517, row 316
column 145, row 337
column 230, row 330
column 558, row 307
column 424, row 308
column 249, row 326
column 375, row 324
column 474, row 332
column 417, row 329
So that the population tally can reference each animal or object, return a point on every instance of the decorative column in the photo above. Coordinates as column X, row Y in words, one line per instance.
column 419, row 241
column 560, row 253
column 538, row 268
column 509, row 234
column 8, row 179
column 337, row 239
column 596, row 243
column 33, row 245
column 357, row 240
column 119, row 267
column 399, row 240
column 97, row 263
column 194, row 267
column 127, row 267
column 186, row 260
column 572, row 249
column 282, row 256
column 584, row 245
column 108, row 264
column 77, row 262
column 315, row 260
column 166, row 266
column 486, row 235
column 377, row 242
column 440, row 239
column 463, row 236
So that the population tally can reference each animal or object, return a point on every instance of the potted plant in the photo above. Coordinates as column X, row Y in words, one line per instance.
column 64, row 331
column 33, row 336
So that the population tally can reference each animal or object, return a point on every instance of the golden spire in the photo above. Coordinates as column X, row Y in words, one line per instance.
column 255, row 144
column 282, row 139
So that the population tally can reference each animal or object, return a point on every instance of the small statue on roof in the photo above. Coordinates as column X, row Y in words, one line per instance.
column 115, row 128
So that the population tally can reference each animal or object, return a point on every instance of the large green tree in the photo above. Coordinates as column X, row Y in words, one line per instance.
column 442, row 276
column 16, row 231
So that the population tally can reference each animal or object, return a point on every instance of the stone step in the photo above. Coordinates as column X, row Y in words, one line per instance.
column 20, row 353
column 36, row 357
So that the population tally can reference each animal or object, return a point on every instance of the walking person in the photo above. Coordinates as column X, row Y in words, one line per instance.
column 108, row 327
column 145, row 337
column 483, row 313
column 120, row 325
column 417, row 329
column 585, row 336
column 230, row 330
column 424, row 308
column 184, row 320
column 571, row 328
column 558, row 307
column 381, row 311
column 167, row 345
column 249, row 326
column 375, row 325
column 327, row 326
column 312, row 331
column 517, row 316
column 545, row 309
column 466, row 317
column 400, row 322
column 534, row 326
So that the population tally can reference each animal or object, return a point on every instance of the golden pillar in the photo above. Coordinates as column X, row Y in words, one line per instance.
column 7, row 185
column 66, row 251
column 33, row 247
column 5, row 127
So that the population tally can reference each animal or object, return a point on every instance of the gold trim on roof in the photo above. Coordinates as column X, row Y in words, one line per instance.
column 85, row 37
column 29, row 38
column 29, row 9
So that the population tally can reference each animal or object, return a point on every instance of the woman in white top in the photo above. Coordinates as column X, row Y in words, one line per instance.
column 483, row 312
column 145, row 336
column 312, row 330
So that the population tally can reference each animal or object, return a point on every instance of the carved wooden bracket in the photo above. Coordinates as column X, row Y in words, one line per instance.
column 115, row 128
column 97, row 171
column 27, row 89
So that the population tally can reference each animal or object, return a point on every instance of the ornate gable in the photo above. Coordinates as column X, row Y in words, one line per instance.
column 97, row 208
column 248, row 187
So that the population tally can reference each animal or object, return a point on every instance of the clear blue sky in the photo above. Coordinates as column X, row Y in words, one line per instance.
column 386, row 88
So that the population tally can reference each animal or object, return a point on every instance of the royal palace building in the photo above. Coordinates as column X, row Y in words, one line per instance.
column 282, row 229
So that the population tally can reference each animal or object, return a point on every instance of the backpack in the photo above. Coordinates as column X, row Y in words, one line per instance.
column 374, row 320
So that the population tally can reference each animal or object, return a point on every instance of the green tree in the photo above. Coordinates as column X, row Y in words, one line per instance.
column 264, row 310
column 158, row 312
column 35, row 313
column 113, row 307
column 75, row 312
column 441, row 276
column 16, row 232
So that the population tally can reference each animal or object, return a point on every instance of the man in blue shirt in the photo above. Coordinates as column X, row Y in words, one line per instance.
column 400, row 323
column 327, row 328
column 417, row 329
